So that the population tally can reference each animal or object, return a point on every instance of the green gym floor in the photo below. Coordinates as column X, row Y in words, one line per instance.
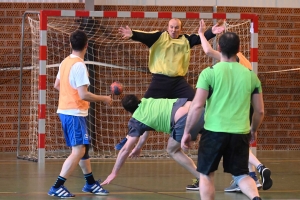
column 141, row 179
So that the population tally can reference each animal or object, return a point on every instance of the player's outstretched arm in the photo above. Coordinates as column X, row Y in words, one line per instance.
column 84, row 94
column 125, row 32
column 209, row 51
column 138, row 148
column 122, row 156
column 194, row 39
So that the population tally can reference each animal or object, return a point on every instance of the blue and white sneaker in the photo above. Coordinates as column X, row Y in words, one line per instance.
column 96, row 188
column 61, row 192
column 120, row 145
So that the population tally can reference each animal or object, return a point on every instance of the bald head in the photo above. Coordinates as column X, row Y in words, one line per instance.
column 174, row 28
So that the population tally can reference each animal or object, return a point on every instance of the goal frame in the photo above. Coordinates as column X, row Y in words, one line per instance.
column 44, row 14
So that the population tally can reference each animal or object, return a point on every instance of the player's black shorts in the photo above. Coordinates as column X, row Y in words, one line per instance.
column 234, row 148
column 162, row 86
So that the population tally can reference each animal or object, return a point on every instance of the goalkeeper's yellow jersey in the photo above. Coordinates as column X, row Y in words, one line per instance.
column 169, row 56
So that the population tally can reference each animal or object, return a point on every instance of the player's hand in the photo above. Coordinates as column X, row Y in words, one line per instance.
column 108, row 100
column 125, row 32
column 135, row 153
column 109, row 179
column 186, row 141
column 202, row 26
column 253, row 136
column 219, row 27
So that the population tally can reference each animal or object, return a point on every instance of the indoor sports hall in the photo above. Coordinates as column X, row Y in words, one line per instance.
column 34, row 40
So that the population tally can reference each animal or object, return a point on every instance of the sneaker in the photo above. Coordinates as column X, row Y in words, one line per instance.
column 120, row 145
column 265, row 174
column 194, row 186
column 258, row 185
column 61, row 192
column 233, row 187
column 95, row 188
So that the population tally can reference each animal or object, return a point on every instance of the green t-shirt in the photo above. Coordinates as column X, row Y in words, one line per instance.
column 231, row 86
column 155, row 113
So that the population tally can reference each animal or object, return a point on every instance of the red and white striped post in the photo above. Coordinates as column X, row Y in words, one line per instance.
column 44, row 14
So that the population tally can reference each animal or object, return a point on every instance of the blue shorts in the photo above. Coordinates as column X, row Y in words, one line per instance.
column 75, row 130
column 177, row 128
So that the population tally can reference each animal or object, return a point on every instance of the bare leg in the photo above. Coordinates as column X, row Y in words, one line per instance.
column 174, row 150
column 253, row 160
column 72, row 161
column 85, row 166
column 251, row 167
column 248, row 187
column 207, row 186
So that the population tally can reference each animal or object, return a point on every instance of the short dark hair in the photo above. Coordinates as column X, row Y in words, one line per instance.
column 78, row 40
column 229, row 44
column 130, row 103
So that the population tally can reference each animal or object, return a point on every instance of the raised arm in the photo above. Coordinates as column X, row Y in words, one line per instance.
column 194, row 39
column 147, row 38
column 209, row 51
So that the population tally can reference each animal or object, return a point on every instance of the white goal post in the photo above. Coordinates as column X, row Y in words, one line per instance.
column 110, row 58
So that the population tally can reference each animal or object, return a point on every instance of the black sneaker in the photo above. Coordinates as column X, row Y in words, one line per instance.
column 194, row 186
column 265, row 174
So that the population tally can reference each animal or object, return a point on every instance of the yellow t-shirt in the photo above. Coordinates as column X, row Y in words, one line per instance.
column 170, row 57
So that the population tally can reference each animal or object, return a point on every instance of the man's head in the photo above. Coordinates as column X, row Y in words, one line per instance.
column 174, row 28
column 78, row 40
column 130, row 103
column 229, row 44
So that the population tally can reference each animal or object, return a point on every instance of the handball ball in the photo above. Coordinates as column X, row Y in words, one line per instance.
column 116, row 88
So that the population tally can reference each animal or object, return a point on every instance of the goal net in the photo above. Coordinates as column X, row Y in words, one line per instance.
column 109, row 58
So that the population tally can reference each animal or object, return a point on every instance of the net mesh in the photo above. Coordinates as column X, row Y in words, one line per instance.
column 109, row 58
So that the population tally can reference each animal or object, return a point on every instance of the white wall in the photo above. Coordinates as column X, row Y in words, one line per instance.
column 244, row 3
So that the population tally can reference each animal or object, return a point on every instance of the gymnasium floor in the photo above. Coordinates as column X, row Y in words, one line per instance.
column 143, row 179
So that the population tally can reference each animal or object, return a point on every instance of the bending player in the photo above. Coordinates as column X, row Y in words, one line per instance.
column 156, row 114
column 253, row 161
